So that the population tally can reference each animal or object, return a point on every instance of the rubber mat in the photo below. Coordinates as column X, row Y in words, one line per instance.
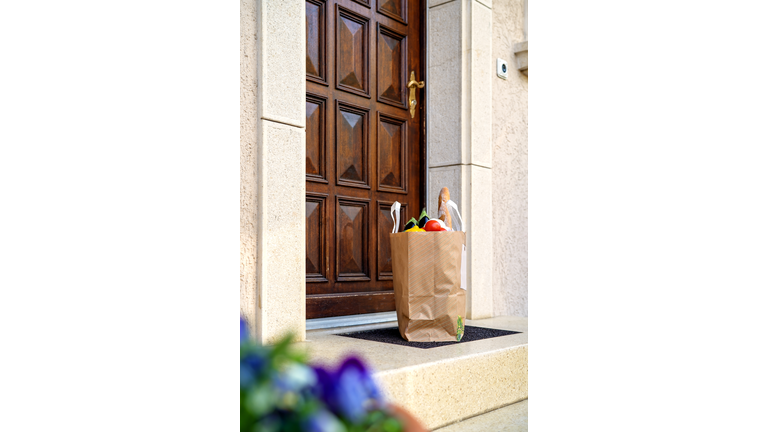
column 391, row 335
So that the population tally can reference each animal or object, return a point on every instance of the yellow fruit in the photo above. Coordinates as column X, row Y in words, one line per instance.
column 415, row 229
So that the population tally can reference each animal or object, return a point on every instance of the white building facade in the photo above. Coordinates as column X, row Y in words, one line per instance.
column 473, row 131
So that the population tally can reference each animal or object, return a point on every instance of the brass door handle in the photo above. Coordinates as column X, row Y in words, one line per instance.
column 413, row 84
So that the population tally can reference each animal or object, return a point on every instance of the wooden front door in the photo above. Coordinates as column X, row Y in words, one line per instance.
column 364, row 151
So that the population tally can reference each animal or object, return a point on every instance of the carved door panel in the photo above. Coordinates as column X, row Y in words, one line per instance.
column 364, row 151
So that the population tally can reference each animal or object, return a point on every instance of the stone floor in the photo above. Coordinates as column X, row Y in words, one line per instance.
column 325, row 347
column 511, row 418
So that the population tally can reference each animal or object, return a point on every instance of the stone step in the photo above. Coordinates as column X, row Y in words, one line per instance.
column 511, row 418
column 441, row 385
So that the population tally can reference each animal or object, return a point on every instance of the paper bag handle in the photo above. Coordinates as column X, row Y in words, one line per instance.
column 454, row 209
column 395, row 212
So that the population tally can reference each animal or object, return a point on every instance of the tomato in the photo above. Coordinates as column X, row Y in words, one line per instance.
column 433, row 225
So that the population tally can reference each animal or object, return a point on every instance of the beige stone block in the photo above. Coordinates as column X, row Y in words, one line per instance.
column 511, row 418
column 487, row 3
column 439, row 394
column 479, row 219
column 481, row 94
column 433, row 3
column 460, row 133
column 248, row 139
column 440, row 385
column 281, row 262
column 282, row 61
column 460, row 95
column 444, row 84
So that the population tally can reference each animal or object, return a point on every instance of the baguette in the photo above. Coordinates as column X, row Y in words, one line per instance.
column 442, row 209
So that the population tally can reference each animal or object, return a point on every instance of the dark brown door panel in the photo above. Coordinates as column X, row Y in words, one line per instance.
column 364, row 151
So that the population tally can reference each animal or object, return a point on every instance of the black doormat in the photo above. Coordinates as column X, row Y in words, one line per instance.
column 392, row 335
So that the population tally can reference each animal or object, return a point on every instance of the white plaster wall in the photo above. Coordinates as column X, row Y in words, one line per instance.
column 248, row 153
column 510, row 166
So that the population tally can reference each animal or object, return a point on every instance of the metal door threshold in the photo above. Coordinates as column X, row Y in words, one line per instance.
column 351, row 320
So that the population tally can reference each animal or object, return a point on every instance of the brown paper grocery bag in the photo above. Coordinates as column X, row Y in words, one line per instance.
column 429, row 299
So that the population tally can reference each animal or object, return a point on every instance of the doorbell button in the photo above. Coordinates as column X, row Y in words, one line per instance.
column 502, row 68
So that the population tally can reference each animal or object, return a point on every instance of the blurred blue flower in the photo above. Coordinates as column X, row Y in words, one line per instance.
column 247, row 377
column 292, row 383
column 243, row 330
column 323, row 421
column 295, row 377
column 350, row 391
column 251, row 367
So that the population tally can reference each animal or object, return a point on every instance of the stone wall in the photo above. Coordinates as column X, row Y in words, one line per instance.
column 248, row 150
column 272, row 161
column 510, row 166
column 459, row 130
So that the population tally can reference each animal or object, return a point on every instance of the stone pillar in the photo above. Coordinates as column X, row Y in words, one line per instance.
column 273, row 290
column 460, row 130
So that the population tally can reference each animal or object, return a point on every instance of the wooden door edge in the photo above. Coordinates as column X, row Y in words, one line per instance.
column 423, row 60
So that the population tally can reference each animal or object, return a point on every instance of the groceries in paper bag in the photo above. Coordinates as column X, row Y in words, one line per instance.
column 429, row 273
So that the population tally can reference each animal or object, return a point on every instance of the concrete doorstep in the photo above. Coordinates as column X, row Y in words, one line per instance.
column 443, row 385
column 511, row 418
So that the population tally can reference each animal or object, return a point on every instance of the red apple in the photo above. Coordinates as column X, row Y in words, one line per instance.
column 433, row 225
